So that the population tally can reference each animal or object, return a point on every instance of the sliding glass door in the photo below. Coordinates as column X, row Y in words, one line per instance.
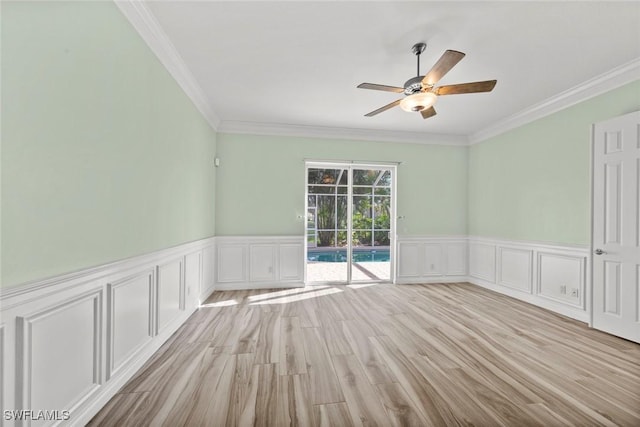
column 350, row 222
column 327, row 224
column 371, row 225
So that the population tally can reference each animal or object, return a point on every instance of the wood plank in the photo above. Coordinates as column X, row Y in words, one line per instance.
column 268, row 345
column 294, row 402
column 324, row 384
column 122, row 409
column 292, row 358
column 401, row 410
column 363, row 402
column 244, row 391
column 331, row 415
column 376, row 370
column 266, row 406
column 248, row 332
column 337, row 342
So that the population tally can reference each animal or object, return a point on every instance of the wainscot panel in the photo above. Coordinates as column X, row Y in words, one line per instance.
column 554, row 277
column 255, row 262
column 170, row 293
column 515, row 268
column 58, row 357
column 193, row 273
column 129, row 320
column 482, row 260
column 426, row 259
column 208, row 279
column 70, row 342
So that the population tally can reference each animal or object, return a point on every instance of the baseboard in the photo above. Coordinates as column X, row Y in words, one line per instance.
column 574, row 313
column 206, row 293
column 94, row 328
column 266, row 285
column 436, row 279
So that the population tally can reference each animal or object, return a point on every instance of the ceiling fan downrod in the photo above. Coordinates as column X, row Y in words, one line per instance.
column 417, row 49
column 414, row 84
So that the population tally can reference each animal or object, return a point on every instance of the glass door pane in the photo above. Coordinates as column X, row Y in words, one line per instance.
column 327, row 225
column 371, row 225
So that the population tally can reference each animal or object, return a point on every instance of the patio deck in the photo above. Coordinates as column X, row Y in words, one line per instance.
column 337, row 271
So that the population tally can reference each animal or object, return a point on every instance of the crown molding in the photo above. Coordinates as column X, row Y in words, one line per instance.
column 143, row 21
column 610, row 80
column 278, row 129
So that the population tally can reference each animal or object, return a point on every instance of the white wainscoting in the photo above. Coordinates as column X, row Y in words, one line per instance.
column 554, row 277
column 431, row 259
column 253, row 262
column 70, row 342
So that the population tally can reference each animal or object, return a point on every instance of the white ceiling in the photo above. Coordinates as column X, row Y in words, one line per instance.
column 298, row 63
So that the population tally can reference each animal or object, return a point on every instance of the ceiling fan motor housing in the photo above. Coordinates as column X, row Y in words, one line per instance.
column 413, row 85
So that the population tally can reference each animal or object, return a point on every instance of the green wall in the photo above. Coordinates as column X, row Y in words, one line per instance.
column 260, row 183
column 533, row 182
column 103, row 155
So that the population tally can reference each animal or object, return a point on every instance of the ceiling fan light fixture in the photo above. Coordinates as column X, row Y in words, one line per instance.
column 418, row 101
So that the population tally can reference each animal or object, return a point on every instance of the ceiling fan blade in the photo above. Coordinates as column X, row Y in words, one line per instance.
column 381, row 109
column 475, row 87
column 381, row 87
column 442, row 67
column 429, row 112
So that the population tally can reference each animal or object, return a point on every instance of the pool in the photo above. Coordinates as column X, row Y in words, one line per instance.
column 340, row 255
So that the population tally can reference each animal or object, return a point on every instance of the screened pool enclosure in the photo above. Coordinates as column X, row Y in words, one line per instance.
column 349, row 222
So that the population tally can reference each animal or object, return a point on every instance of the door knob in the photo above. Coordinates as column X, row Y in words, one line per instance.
column 599, row 252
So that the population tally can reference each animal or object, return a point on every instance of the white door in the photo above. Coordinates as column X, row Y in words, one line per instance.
column 616, row 226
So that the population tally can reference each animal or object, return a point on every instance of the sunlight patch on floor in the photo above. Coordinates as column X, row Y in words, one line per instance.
column 281, row 293
column 361, row 285
column 226, row 303
column 299, row 297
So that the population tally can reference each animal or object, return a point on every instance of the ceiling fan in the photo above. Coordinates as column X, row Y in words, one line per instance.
column 420, row 91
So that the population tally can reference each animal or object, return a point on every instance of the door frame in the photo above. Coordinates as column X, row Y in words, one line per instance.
column 590, row 282
column 350, row 165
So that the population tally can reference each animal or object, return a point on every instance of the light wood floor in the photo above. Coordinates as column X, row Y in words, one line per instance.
column 388, row 355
